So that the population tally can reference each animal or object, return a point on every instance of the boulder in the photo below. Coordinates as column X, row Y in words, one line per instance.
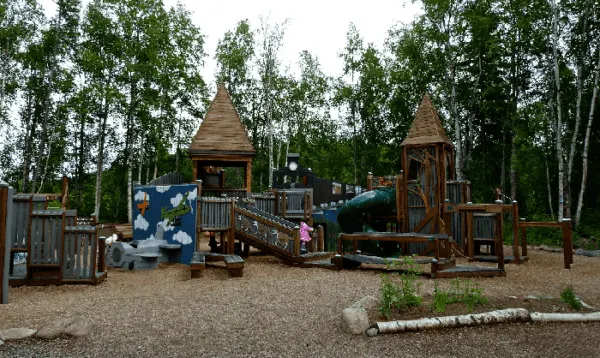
column 355, row 320
column 75, row 326
column 367, row 302
column 13, row 334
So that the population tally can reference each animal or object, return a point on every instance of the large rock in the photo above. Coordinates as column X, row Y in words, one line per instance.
column 355, row 320
column 12, row 334
column 76, row 326
column 367, row 302
column 1, row 342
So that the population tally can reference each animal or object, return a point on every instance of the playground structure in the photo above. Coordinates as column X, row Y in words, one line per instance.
column 59, row 247
column 425, row 201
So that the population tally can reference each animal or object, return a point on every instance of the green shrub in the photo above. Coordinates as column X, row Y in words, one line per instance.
column 568, row 296
column 468, row 293
column 400, row 293
column 441, row 298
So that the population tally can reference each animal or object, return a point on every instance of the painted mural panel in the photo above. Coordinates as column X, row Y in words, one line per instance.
column 166, row 213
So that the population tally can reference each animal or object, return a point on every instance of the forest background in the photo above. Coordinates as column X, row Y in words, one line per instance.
column 111, row 92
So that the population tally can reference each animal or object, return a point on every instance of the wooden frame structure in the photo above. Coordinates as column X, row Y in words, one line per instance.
column 60, row 249
column 567, row 231
column 221, row 141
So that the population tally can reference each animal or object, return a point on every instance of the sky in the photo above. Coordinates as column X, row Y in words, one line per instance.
column 318, row 26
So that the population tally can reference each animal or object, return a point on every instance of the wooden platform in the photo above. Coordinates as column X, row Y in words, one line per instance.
column 470, row 271
column 233, row 263
column 493, row 259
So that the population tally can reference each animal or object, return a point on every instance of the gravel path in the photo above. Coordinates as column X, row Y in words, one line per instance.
column 281, row 311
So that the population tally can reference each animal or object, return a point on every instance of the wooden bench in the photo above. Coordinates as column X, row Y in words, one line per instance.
column 234, row 263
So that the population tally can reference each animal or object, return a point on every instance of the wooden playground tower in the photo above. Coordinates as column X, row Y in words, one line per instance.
column 430, row 201
column 222, row 142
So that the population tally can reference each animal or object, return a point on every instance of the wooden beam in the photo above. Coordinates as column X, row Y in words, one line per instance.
column 500, row 240
column 515, row 229
column 4, row 246
column 470, row 236
column 567, row 243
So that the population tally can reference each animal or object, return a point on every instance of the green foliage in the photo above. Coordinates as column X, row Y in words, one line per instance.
column 441, row 299
column 568, row 296
column 401, row 290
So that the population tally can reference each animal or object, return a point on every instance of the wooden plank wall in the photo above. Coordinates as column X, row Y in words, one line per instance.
column 80, row 253
column 46, row 237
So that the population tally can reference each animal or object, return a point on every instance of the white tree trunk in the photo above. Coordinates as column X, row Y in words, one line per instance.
column 586, row 143
column 508, row 315
column 549, row 188
column 501, row 316
column 141, row 159
column 559, row 148
column 100, row 160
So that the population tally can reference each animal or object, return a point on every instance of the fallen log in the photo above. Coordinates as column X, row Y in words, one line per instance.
column 479, row 319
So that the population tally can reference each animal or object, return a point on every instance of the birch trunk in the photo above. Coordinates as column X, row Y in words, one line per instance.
column 573, row 150
column 459, row 152
column 549, row 188
column 29, row 133
column 494, row 317
column 586, row 143
column 100, row 160
column 559, row 147
column 129, row 149
column 50, row 85
column 141, row 159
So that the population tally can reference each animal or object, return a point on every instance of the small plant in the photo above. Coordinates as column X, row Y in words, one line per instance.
column 467, row 292
column 568, row 296
column 441, row 298
column 402, row 294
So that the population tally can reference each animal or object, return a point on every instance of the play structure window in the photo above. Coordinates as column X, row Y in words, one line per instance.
column 414, row 169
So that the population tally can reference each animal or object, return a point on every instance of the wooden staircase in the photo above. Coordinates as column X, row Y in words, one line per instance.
column 274, row 235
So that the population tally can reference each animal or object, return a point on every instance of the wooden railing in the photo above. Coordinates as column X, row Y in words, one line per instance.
column 271, row 231
column 229, row 193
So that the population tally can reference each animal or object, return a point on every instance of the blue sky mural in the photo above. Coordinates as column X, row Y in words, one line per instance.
column 166, row 213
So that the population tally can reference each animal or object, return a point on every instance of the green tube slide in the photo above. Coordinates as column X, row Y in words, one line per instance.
column 352, row 215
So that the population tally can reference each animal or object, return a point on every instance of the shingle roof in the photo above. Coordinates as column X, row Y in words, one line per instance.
column 221, row 130
column 427, row 127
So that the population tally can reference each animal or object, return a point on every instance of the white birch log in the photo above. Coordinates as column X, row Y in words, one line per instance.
column 493, row 317
column 565, row 317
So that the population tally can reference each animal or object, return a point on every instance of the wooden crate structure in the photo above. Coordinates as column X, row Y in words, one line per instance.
column 59, row 251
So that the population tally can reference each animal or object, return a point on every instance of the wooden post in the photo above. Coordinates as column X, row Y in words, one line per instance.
column 369, row 181
column 248, row 178
column 65, row 192
column 500, row 240
column 567, row 243
column 340, row 244
column 5, row 206
column 447, row 219
column 297, row 241
column 515, row 229
column 276, row 204
column 523, row 240
column 470, row 243
column 102, row 254
column 198, row 212
column 436, row 253
column 320, row 238
column 231, row 233
column 284, row 205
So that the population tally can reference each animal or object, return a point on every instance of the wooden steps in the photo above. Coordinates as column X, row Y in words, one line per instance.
column 494, row 259
column 234, row 263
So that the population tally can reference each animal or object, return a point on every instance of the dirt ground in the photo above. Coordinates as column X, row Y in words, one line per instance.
column 281, row 311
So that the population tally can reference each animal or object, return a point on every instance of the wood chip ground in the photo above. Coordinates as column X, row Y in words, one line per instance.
column 281, row 311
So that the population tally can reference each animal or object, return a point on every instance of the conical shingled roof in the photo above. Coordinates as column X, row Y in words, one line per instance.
column 427, row 127
column 221, row 130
